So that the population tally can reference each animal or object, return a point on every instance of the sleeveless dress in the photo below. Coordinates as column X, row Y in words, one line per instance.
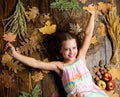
column 76, row 79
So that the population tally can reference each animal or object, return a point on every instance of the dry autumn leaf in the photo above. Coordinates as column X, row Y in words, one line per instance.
column 103, row 29
column 6, row 78
column 37, row 76
column 104, row 7
column 93, row 40
column 115, row 73
column 10, row 37
column 6, row 58
column 32, row 13
column 15, row 66
column 88, row 8
column 48, row 28
column 112, row 93
column 83, row 1
column 75, row 29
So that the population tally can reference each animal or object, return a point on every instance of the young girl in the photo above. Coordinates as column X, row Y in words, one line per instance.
column 75, row 76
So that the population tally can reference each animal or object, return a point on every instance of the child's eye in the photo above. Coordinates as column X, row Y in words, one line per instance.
column 74, row 47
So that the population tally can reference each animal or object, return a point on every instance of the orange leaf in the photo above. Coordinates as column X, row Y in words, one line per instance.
column 88, row 8
column 10, row 37
column 115, row 73
column 103, row 29
column 104, row 7
column 93, row 40
column 112, row 93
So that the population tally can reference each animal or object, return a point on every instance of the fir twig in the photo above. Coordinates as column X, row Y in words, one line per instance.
column 16, row 22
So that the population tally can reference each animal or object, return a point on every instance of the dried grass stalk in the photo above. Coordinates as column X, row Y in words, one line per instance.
column 113, row 26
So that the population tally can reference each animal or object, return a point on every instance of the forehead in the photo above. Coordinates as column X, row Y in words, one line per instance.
column 69, row 42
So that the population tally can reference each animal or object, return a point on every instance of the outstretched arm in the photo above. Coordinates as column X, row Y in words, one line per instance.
column 88, row 34
column 31, row 61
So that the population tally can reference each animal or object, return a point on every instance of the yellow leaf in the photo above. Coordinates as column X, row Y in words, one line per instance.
column 89, row 8
column 93, row 40
column 38, row 76
column 48, row 28
column 112, row 93
column 115, row 73
column 83, row 1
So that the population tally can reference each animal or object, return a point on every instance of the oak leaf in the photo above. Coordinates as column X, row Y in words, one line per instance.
column 32, row 13
column 9, row 37
column 48, row 28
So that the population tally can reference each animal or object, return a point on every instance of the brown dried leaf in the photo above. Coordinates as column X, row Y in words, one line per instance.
column 15, row 66
column 10, row 37
column 6, row 58
column 32, row 13
column 93, row 40
column 115, row 73
column 6, row 78
column 37, row 76
column 75, row 29
column 111, row 93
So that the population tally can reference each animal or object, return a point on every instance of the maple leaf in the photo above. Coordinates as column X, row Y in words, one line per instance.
column 115, row 73
column 93, row 40
column 10, row 37
column 48, row 28
column 75, row 29
column 37, row 76
column 32, row 13
column 6, row 58
column 6, row 78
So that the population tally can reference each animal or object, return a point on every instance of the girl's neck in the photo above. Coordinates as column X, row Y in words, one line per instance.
column 69, row 61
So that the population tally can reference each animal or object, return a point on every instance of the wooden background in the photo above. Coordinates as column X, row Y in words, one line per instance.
column 51, row 81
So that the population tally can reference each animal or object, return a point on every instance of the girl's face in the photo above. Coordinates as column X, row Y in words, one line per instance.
column 69, row 49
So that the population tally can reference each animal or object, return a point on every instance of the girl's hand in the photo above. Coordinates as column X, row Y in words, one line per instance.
column 9, row 48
